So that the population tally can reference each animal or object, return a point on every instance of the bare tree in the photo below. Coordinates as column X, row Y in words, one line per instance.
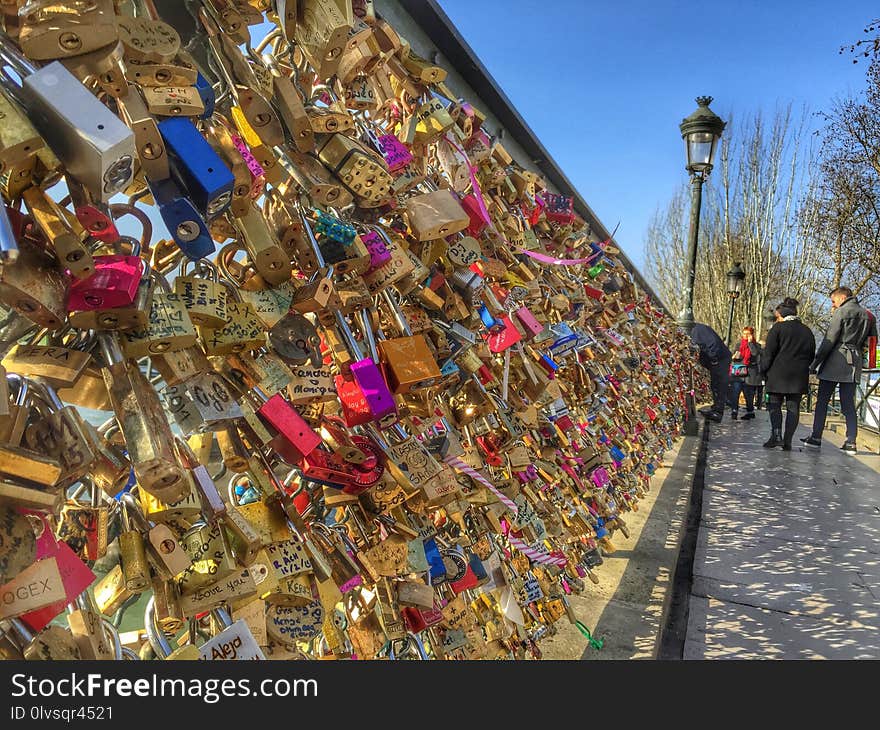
column 751, row 215
column 841, row 212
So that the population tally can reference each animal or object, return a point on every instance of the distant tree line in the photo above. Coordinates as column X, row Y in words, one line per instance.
column 800, row 211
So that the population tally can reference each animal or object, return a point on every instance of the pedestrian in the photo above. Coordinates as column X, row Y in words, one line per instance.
column 715, row 357
column 786, row 367
column 745, row 375
column 838, row 362
column 759, row 383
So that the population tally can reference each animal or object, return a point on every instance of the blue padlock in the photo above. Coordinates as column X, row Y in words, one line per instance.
column 186, row 226
column 207, row 95
column 435, row 561
column 197, row 167
column 616, row 454
column 477, row 566
column 449, row 368
column 489, row 321
column 545, row 361
column 335, row 229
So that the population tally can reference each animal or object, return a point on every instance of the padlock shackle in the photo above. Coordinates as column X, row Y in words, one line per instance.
column 347, row 335
column 222, row 617
column 14, row 58
column 396, row 314
column 310, row 236
column 366, row 328
column 45, row 392
column 155, row 636
column 111, row 349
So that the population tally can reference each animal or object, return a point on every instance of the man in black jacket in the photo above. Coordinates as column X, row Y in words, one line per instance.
column 838, row 363
column 715, row 357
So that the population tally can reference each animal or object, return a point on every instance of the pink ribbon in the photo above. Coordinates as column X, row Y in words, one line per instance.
column 532, row 553
column 546, row 259
column 466, row 468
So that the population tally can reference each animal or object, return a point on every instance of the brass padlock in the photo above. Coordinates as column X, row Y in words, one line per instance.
column 169, row 326
column 435, row 215
column 144, row 425
column 50, row 31
column 34, row 286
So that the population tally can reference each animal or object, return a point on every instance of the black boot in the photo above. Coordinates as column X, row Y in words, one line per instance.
column 774, row 440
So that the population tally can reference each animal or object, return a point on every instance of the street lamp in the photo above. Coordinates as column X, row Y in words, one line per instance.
column 700, row 132
column 735, row 278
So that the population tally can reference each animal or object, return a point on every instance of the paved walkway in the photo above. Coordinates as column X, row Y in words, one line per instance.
column 788, row 554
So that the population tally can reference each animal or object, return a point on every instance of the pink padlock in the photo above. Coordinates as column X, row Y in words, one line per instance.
column 114, row 284
column 529, row 322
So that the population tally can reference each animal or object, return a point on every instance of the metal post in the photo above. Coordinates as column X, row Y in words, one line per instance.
column 686, row 319
column 730, row 321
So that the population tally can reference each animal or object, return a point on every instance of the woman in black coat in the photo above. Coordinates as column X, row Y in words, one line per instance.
column 785, row 363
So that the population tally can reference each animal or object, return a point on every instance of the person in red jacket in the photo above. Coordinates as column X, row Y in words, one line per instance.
column 744, row 373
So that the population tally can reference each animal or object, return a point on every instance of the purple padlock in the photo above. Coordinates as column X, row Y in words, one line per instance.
column 379, row 253
column 376, row 390
column 366, row 372
column 396, row 154
column 379, row 399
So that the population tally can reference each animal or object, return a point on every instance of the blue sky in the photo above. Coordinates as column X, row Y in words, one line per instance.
column 605, row 84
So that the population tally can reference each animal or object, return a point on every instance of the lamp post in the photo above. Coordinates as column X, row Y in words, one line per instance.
column 735, row 278
column 700, row 132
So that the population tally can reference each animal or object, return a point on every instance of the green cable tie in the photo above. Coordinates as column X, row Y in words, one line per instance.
column 597, row 644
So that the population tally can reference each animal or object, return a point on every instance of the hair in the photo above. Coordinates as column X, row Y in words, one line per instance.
column 787, row 307
column 751, row 330
column 844, row 290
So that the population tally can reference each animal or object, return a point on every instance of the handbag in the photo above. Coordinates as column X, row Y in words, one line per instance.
column 738, row 370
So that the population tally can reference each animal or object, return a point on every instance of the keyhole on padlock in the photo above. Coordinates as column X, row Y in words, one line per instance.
column 261, row 120
column 187, row 231
column 167, row 546
column 69, row 41
column 150, row 151
column 93, row 300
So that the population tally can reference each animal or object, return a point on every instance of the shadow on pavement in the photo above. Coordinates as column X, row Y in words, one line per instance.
column 788, row 554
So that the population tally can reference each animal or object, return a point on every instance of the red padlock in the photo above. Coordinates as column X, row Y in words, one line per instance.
column 508, row 337
column 295, row 439
column 114, row 284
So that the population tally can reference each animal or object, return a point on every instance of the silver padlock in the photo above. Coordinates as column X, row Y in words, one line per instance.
column 94, row 145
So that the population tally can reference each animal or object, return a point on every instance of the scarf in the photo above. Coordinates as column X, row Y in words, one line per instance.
column 744, row 352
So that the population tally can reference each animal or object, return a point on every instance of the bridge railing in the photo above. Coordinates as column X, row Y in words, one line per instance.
column 867, row 400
